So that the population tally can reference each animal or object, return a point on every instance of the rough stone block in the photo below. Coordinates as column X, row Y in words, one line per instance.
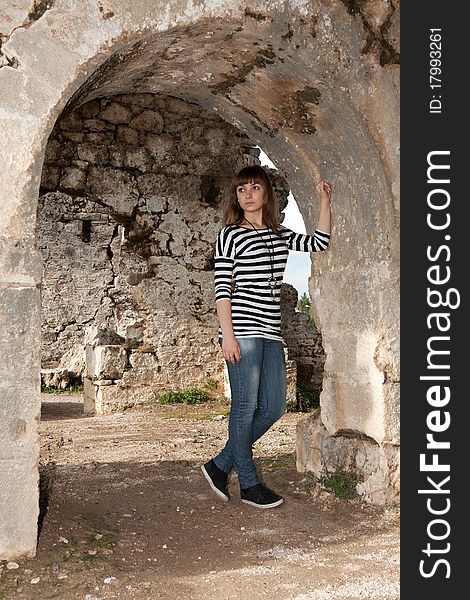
column 53, row 151
column 160, row 147
column 137, row 158
column 116, row 113
column 101, row 137
column 73, row 136
column 148, row 120
column 73, row 179
column 96, row 125
column 21, row 263
column 216, row 140
column 90, row 110
column 19, row 499
column 105, row 362
column 20, row 323
column 291, row 380
column 392, row 412
column 50, row 177
column 128, row 136
column 144, row 368
column 114, row 398
column 353, row 393
column 97, row 155
column 89, row 396
column 310, row 432
column 55, row 378
column 116, row 156
column 19, row 411
column 114, row 187
column 13, row 15
column 376, row 466
column 71, row 122
column 19, row 414
column 348, row 403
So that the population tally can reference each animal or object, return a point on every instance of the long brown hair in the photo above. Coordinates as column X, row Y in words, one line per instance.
column 233, row 212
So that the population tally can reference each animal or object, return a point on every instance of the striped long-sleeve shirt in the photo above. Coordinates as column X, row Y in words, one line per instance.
column 245, row 262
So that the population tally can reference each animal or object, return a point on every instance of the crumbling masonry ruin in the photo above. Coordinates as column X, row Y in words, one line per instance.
column 130, row 205
column 121, row 124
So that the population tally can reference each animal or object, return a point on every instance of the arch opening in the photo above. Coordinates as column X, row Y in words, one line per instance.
column 129, row 208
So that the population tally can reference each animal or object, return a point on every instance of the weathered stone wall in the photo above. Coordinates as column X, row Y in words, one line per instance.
column 314, row 83
column 302, row 339
column 129, row 211
column 129, row 208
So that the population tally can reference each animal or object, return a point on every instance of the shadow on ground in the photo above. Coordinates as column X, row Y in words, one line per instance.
column 152, row 529
column 55, row 411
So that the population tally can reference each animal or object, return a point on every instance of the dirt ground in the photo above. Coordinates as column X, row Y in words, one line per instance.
column 130, row 515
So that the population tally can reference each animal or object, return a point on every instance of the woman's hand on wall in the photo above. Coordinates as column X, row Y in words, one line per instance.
column 324, row 189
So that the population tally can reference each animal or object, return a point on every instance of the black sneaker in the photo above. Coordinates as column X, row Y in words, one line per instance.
column 260, row 496
column 217, row 479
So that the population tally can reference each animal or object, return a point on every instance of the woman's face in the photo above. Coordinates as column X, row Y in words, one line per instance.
column 250, row 196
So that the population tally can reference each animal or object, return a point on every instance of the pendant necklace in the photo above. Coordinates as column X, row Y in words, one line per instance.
column 272, row 280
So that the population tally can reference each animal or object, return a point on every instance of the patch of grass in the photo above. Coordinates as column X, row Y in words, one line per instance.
column 72, row 388
column 210, row 384
column 47, row 389
column 191, row 395
column 309, row 481
column 341, row 484
column 103, row 542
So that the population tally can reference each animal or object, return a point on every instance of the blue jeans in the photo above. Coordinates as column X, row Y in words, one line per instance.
column 258, row 389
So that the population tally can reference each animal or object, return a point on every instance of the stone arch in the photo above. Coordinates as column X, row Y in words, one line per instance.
column 316, row 85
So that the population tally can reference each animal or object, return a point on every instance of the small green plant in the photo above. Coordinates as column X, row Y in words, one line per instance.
column 72, row 388
column 189, row 396
column 47, row 389
column 341, row 484
column 304, row 305
column 210, row 384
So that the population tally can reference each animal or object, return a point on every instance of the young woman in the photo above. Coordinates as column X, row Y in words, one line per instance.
column 250, row 258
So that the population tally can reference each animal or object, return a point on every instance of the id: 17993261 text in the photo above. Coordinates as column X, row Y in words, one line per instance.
column 435, row 70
